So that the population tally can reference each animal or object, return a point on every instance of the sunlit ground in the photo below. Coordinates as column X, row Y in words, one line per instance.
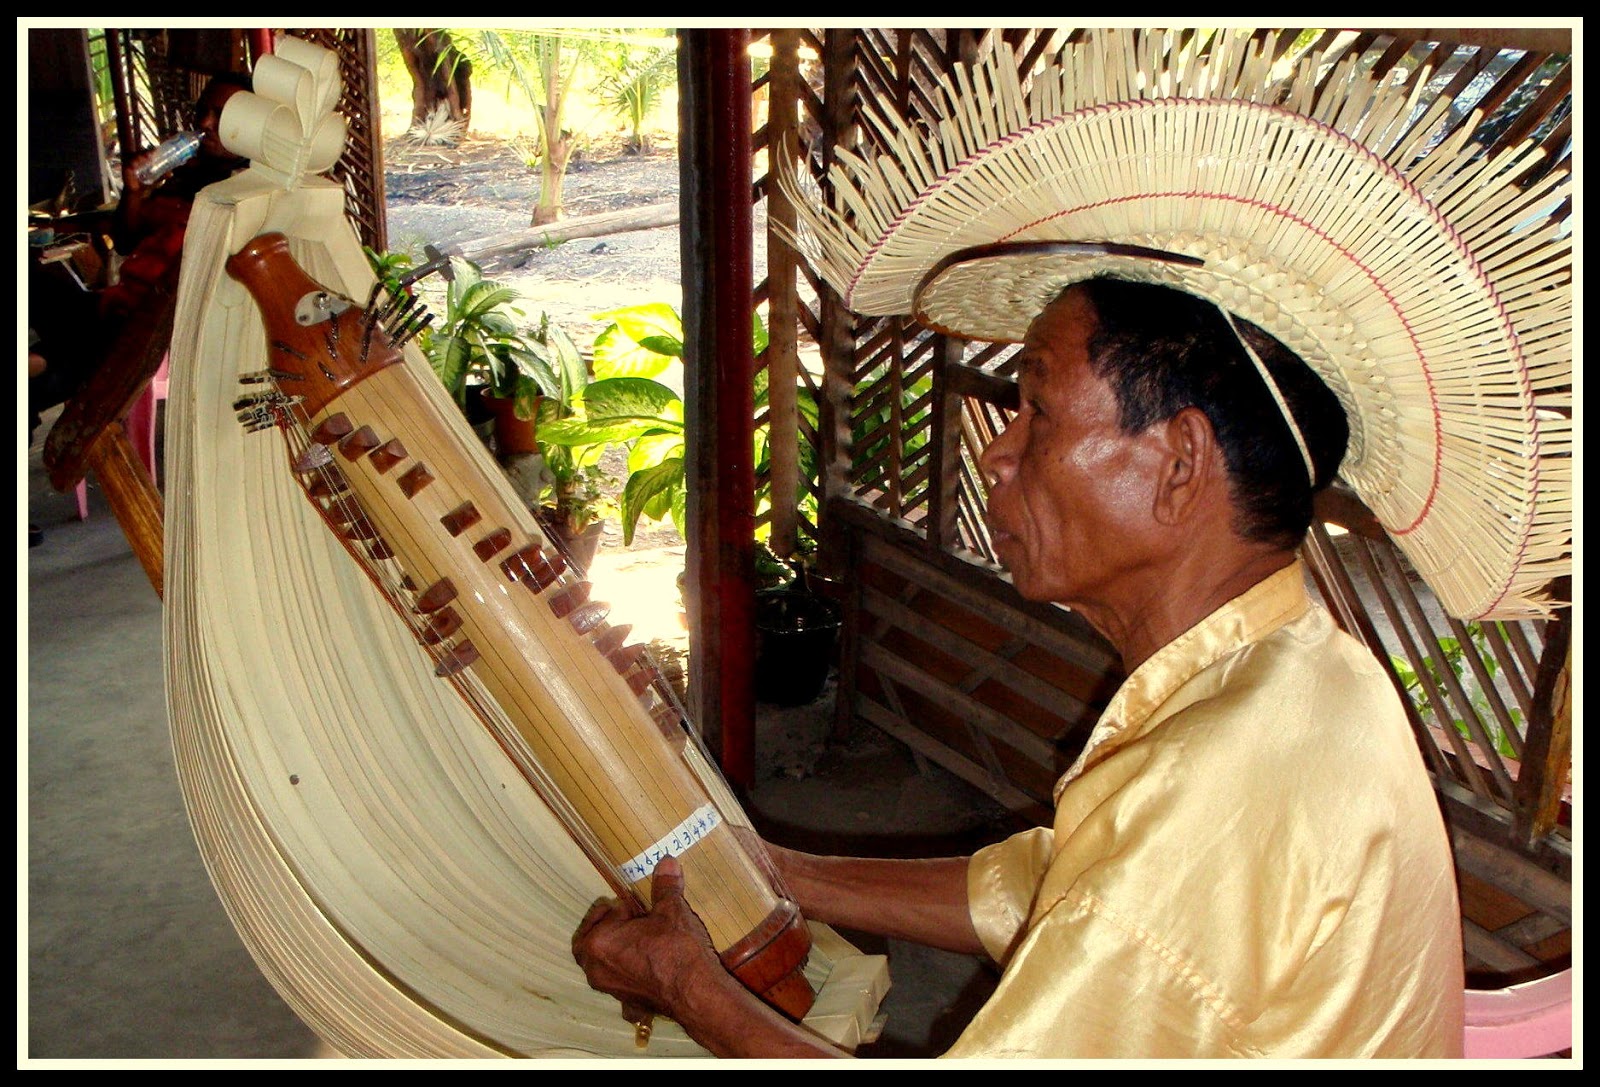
column 641, row 585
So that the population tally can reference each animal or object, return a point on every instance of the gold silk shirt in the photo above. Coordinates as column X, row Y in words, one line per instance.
column 1247, row 860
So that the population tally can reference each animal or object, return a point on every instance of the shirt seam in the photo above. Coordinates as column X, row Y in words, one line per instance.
column 1206, row 991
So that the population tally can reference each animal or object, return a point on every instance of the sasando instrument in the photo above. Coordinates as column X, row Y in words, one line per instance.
column 492, row 603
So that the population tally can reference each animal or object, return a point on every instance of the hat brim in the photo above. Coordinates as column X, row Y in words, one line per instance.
column 1437, row 352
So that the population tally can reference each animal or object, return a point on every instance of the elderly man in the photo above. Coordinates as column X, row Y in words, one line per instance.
column 1217, row 882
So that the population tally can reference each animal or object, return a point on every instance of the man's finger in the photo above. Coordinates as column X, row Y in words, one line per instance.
column 602, row 908
column 668, row 879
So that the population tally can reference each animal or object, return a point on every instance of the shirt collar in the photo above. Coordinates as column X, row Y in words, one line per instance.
column 1270, row 603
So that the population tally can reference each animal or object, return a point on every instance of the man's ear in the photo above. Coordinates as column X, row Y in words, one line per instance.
column 1189, row 469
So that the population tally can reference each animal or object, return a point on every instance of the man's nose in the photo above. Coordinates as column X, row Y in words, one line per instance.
column 998, row 462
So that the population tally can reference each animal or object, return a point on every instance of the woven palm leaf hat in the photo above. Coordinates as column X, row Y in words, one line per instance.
column 1430, row 291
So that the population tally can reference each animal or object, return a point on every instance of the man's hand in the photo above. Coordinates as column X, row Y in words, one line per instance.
column 646, row 960
column 663, row 961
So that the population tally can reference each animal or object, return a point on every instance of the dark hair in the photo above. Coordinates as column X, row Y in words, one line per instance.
column 241, row 80
column 1162, row 350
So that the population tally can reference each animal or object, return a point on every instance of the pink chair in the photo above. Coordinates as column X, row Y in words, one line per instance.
column 1533, row 1019
column 141, row 427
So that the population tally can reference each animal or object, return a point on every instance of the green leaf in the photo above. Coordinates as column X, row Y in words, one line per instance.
column 568, row 362
column 536, row 368
column 577, row 432
column 759, row 335
column 633, row 398
column 655, row 326
column 680, row 509
column 653, row 449
column 449, row 359
column 615, row 355
column 527, row 395
column 643, row 487
column 478, row 300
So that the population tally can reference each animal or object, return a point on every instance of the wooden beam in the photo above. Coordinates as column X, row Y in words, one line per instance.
column 1479, row 943
column 1498, row 865
column 836, row 340
column 1014, row 799
column 945, row 489
column 986, row 665
column 783, row 344
column 719, row 410
column 1547, row 749
column 509, row 243
column 1532, row 39
column 133, row 499
column 1027, row 744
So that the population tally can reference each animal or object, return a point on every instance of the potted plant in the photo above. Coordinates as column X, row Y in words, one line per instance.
column 797, row 621
column 494, row 368
column 635, row 401
column 627, row 405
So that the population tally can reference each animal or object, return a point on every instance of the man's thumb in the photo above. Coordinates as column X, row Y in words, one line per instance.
column 667, row 880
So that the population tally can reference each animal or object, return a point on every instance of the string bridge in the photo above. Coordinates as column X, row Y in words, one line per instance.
column 263, row 410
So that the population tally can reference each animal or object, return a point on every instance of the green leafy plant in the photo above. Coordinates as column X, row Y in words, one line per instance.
column 390, row 267
column 576, row 488
column 1454, row 656
column 478, row 341
column 629, row 404
column 647, row 416
column 544, row 66
column 636, row 76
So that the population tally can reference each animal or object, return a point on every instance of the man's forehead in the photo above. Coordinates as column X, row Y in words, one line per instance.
column 1060, row 327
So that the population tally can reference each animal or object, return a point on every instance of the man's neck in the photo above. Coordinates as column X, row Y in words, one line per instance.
column 1200, row 582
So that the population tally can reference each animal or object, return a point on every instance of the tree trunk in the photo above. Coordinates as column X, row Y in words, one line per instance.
column 440, row 76
column 558, row 142
column 552, row 179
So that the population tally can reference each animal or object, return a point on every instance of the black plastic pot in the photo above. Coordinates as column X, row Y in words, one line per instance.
column 797, row 635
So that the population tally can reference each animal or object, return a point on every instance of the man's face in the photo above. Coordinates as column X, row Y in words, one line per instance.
column 1070, row 497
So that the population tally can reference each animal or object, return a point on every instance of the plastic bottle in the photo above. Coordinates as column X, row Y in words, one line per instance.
column 169, row 155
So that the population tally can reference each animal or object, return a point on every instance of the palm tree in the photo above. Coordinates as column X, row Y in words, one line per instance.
column 636, row 74
column 543, row 65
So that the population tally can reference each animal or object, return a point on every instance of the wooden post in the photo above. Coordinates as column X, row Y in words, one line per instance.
column 1547, row 748
column 837, row 340
column 783, row 357
column 133, row 499
column 716, row 226
column 944, row 487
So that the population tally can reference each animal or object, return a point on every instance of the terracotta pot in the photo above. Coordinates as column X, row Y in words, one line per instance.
column 513, row 436
column 580, row 547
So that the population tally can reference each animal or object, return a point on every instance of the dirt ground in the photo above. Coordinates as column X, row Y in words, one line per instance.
column 483, row 188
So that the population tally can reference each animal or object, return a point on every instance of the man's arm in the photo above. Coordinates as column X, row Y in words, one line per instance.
column 924, row 901
column 664, row 960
